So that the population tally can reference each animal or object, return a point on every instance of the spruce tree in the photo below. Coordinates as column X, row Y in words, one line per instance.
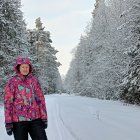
column 47, row 65
column 13, row 40
column 131, row 85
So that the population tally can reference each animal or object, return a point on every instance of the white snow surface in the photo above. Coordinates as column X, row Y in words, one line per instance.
column 83, row 118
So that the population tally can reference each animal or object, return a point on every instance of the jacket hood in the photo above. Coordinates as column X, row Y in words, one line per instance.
column 22, row 60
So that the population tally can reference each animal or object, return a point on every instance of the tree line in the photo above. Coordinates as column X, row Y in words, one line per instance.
column 106, row 62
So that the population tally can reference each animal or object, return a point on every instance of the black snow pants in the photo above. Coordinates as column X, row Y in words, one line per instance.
column 33, row 128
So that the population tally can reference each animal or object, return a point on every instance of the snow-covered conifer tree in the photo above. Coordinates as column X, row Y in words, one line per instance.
column 131, row 27
column 13, row 40
column 47, row 70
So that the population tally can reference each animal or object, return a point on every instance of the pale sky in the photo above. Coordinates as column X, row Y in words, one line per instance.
column 65, row 19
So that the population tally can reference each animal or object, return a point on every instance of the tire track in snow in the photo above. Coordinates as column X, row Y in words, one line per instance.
column 53, row 121
column 58, row 126
column 67, row 128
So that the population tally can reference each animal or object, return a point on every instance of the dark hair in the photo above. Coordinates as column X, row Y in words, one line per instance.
column 17, row 67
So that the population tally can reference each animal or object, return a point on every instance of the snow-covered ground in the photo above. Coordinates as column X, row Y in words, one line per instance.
column 81, row 118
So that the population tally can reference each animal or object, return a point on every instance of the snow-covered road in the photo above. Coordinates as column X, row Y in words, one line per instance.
column 81, row 118
column 58, row 127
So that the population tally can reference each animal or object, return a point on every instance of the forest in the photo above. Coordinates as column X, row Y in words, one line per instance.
column 106, row 61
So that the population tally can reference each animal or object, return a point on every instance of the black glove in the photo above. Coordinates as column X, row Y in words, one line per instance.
column 9, row 128
column 45, row 124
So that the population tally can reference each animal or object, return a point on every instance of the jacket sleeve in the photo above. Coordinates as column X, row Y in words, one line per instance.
column 8, row 102
column 41, row 101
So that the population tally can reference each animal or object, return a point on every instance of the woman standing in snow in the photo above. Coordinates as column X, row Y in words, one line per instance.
column 24, row 102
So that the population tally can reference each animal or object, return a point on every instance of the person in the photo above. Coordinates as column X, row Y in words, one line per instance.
column 24, row 104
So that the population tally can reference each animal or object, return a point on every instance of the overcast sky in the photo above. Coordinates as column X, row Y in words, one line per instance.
column 65, row 19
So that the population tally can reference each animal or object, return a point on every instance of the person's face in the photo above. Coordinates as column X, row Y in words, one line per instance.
column 24, row 69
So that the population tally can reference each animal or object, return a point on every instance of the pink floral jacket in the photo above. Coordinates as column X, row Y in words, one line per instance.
column 23, row 98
